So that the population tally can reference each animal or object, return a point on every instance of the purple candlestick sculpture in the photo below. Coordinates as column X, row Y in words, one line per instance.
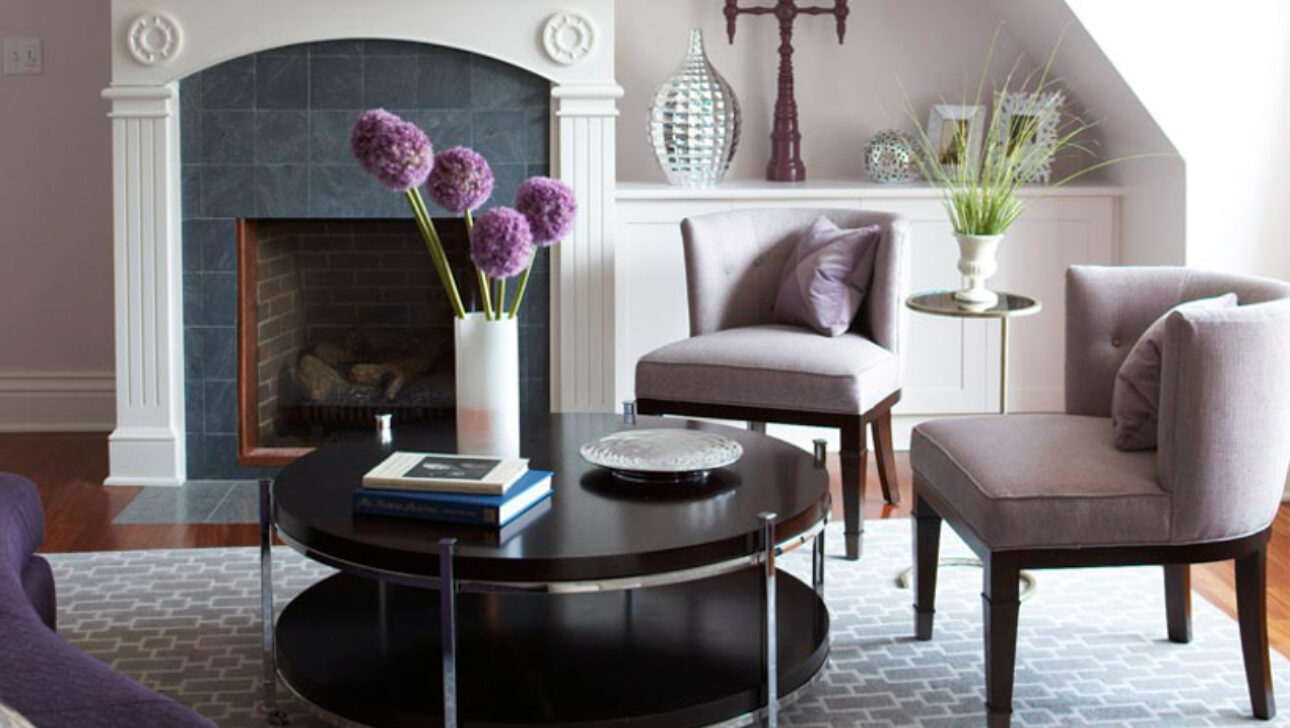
column 786, row 140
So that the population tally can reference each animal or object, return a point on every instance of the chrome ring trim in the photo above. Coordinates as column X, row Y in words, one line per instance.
column 665, row 578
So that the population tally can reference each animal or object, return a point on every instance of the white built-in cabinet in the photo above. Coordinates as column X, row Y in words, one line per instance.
column 952, row 365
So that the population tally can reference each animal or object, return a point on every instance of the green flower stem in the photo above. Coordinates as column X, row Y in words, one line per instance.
column 524, row 286
column 501, row 297
column 485, row 295
column 437, row 256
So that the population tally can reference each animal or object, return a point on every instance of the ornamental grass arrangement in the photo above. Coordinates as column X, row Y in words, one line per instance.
column 504, row 241
column 979, row 189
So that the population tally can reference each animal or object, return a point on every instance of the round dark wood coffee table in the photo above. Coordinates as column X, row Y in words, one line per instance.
column 614, row 603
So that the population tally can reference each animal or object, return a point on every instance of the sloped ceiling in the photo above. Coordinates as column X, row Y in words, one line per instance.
column 1153, row 213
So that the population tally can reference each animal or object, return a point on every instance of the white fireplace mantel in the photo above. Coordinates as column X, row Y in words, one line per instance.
column 155, row 43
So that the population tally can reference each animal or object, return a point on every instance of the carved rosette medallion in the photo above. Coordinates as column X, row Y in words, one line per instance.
column 569, row 37
column 154, row 38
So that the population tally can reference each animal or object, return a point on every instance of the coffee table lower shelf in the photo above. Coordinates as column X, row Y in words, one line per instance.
column 682, row 655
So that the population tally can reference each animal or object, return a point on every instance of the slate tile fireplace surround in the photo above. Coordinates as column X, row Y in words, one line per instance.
column 264, row 138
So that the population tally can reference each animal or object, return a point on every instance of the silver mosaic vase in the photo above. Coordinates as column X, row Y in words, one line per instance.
column 694, row 121
column 889, row 157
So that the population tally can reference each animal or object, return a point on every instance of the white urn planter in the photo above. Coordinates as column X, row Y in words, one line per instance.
column 488, row 386
column 977, row 263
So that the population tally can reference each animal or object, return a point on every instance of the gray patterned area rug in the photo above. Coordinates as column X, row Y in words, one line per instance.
column 1092, row 649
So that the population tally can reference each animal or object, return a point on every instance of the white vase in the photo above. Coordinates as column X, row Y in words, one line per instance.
column 488, row 386
column 977, row 264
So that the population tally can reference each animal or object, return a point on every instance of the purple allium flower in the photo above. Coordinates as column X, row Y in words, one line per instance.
column 394, row 151
column 550, row 208
column 461, row 180
column 501, row 243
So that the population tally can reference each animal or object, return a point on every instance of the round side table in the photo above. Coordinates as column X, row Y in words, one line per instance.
column 1010, row 305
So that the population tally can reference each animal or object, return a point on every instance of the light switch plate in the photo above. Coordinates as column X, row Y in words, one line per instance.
column 23, row 56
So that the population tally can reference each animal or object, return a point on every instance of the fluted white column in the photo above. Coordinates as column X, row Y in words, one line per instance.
column 147, row 447
column 582, row 273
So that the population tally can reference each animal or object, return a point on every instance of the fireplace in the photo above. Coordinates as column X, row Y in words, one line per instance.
column 342, row 320
column 181, row 186
column 331, row 274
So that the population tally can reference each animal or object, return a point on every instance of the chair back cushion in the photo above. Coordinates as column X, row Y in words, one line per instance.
column 733, row 261
column 1108, row 308
column 1135, row 401
column 1224, row 395
column 826, row 276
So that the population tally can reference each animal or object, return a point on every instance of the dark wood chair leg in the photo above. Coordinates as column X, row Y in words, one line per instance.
column 1252, row 609
column 1178, row 602
column 927, row 554
column 885, row 453
column 1002, row 603
column 855, row 466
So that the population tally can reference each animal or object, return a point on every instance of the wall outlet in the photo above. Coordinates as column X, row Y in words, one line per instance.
column 23, row 56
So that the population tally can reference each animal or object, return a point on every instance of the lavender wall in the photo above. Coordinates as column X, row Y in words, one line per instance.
column 267, row 136
column 56, row 194
column 58, row 264
column 936, row 48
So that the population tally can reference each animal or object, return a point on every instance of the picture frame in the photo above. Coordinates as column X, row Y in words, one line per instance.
column 1037, row 115
column 956, row 131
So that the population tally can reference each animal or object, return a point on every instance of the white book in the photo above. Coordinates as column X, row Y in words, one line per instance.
column 441, row 473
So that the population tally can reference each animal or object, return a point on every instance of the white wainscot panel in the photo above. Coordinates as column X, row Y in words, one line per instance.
column 945, row 367
column 951, row 365
column 652, row 309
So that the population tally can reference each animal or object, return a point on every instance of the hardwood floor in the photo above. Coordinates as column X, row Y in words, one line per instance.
column 69, row 470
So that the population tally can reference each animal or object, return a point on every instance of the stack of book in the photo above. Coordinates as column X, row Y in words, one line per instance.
column 452, row 488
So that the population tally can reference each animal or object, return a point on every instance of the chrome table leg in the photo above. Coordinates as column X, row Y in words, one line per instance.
column 448, row 625
column 274, row 715
column 817, row 564
column 771, row 633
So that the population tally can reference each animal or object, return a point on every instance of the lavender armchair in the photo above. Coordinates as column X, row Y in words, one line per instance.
column 1051, row 491
column 739, row 365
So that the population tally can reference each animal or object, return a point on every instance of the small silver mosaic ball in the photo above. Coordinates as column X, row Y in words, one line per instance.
column 889, row 157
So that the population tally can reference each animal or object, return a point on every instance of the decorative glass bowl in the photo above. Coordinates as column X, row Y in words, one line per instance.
column 663, row 454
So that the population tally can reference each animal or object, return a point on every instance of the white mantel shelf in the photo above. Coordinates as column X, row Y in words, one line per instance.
column 825, row 189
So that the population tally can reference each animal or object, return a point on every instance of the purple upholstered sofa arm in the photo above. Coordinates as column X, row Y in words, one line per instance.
column 22, row 529
column 42, row 676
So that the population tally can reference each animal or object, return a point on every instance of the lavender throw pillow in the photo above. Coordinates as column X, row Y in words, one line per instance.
column 1135, row 400
column 826, row 277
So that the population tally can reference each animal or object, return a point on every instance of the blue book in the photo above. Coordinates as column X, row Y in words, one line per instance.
column 481, row 510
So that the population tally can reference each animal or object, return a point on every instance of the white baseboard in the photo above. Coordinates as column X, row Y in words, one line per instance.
column 57, row 401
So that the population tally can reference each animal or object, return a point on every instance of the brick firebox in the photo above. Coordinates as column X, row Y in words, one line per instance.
column 339, row 286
